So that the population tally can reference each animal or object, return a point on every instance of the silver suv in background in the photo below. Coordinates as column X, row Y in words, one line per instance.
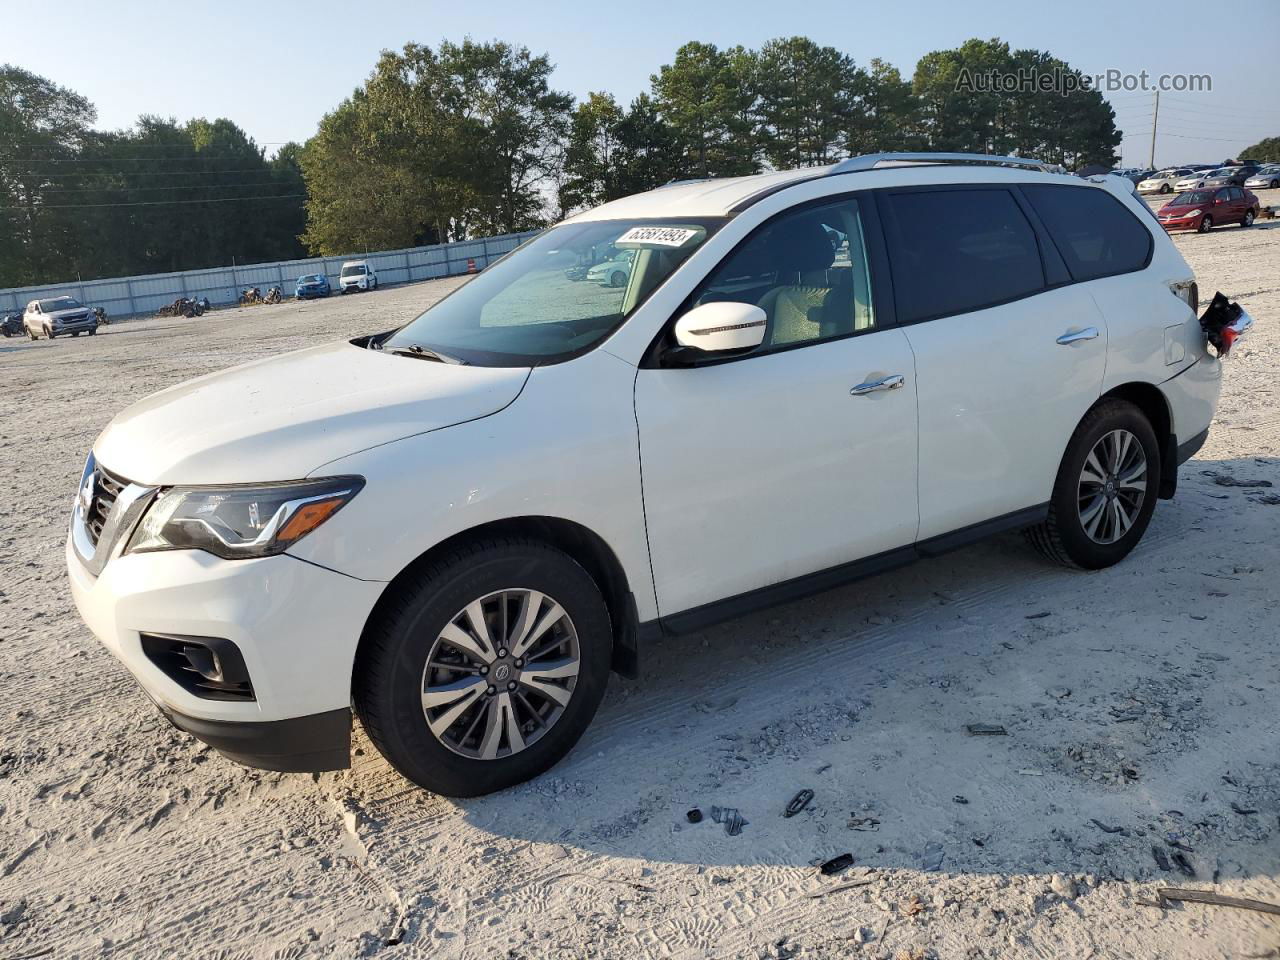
column 57, row 316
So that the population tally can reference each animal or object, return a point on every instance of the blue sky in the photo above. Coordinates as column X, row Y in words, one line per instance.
column 276, row 67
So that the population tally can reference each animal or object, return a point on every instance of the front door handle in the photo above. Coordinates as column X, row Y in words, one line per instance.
column 1088, row 333
column 891, row 382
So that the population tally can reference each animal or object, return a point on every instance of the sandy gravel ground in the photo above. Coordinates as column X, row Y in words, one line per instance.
column 1140, row 705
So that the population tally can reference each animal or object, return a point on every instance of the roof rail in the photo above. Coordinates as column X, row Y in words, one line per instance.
column 871, row 161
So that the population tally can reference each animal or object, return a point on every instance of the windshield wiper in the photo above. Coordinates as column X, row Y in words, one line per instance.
column 422, row 353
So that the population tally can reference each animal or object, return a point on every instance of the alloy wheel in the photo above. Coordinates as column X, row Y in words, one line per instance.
column 500, row 674
column 1112, row 486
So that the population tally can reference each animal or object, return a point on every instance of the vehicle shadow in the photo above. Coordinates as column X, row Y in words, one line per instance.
column 1137, row 705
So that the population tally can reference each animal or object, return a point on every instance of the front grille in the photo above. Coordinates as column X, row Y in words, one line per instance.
column 209, row 667
column 106, row 488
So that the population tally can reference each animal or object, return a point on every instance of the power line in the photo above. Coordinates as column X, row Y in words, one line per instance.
column 141, row 173
column 180, row 186
column 157, row 203
column 199, row 158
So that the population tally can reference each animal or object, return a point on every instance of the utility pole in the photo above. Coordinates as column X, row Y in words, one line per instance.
column 1155, row 116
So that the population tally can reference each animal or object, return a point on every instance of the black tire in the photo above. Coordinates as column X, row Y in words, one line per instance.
column 1206, row 224
column 93, row 332
column 387, row 686
column 49, row 334
column 1275, row 184
column 617, row 279
column 75, row 334
column 1062, row 537
column 1165, row 188
column 1247, row 219
column 30, row 333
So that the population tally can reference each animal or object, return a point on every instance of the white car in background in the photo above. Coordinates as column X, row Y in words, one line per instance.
column 443, row 527
column 1194, row 180
column 614, row 271
column 357, row 275
column 1164, row 181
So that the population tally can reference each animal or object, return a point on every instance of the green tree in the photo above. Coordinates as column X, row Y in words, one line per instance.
column 806, row 101
column 41, row 124
column 708, row 104
column 1264, row 151
column 886, row 115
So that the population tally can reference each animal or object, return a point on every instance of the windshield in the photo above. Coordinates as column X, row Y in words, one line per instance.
column 1192, row 198
column 311, row 278
column 61, row 303
column 358, row 270
column 546, row 301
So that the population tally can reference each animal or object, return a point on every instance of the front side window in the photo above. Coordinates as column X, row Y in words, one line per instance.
column 1096, row 235
column 807, row 269
column 956, row 250
column 557, row 295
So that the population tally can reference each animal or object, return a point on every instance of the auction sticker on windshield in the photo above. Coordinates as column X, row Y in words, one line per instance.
column 657, row 236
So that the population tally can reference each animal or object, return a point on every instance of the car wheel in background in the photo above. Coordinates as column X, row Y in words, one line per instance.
column 1248, row 219
column 483, row 668
column 1206, row 224
column 1105, row 491
column 93, row 332
column 30, row 333
column 1165, row 188
column 75, row 334
column 617, row 279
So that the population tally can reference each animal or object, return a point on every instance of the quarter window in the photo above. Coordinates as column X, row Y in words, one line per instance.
column 953, row 251
column 807, row 269
column 1093, row 231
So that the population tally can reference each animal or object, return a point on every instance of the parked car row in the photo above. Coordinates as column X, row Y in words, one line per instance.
column 1195, row 177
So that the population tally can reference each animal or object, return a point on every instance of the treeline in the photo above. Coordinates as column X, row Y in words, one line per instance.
column 76, row 202
column 467, row 139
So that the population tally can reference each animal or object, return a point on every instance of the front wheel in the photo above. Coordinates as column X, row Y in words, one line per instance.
column 49, row 334
column 484, row 668
column 1165, row 188
column 1248, row 219
column 1105, row 491
column 1206, row 224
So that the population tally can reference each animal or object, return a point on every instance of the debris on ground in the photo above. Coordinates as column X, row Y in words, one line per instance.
column 1106, row 828
column 1038, row 616
column 958, row 798
column 798, row 803
column 1161, row 859
column 1216, row 899
column 985, row 730
column 836, row 864
column 864, row 823
column 731, row 818
column 1226, row 480
column 1243, row 811
column 694, row 815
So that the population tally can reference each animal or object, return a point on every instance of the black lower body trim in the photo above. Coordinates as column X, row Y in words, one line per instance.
column 1191, row 447
column 707, row 615
column 311, row 744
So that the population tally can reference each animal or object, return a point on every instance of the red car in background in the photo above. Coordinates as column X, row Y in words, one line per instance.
column 1202, row 210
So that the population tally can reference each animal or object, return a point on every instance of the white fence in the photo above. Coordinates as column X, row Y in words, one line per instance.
column 128, row 296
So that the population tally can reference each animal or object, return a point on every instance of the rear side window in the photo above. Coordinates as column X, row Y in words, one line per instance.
column 1093, row 231
column 953, row 251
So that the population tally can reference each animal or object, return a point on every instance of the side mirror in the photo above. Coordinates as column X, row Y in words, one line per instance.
column 719, row 328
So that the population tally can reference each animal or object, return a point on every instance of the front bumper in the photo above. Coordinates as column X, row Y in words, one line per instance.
column 299, row 745
column 295, row 624
column 79, row 326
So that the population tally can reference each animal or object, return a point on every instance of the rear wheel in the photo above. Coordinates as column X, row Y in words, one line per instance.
column 1105, row 491
column 1206, row 224
column 483, row 669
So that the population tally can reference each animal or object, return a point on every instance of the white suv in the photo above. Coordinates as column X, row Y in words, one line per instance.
column 357, row 275
column 819, row 374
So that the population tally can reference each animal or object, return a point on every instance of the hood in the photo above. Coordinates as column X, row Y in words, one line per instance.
column 1182, row 207
column 66, row 313
column 282, row 418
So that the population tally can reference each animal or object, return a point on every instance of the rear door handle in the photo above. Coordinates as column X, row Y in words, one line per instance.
column 1088, row 333
column 891, row 382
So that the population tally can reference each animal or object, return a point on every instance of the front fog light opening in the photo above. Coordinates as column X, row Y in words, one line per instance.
column 211, row 668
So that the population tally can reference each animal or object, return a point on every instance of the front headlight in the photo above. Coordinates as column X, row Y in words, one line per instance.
column 240, row 521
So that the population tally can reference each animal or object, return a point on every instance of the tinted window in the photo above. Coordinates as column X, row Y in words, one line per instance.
column 953, row 251
column 807, row 269
column 1093, row 231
